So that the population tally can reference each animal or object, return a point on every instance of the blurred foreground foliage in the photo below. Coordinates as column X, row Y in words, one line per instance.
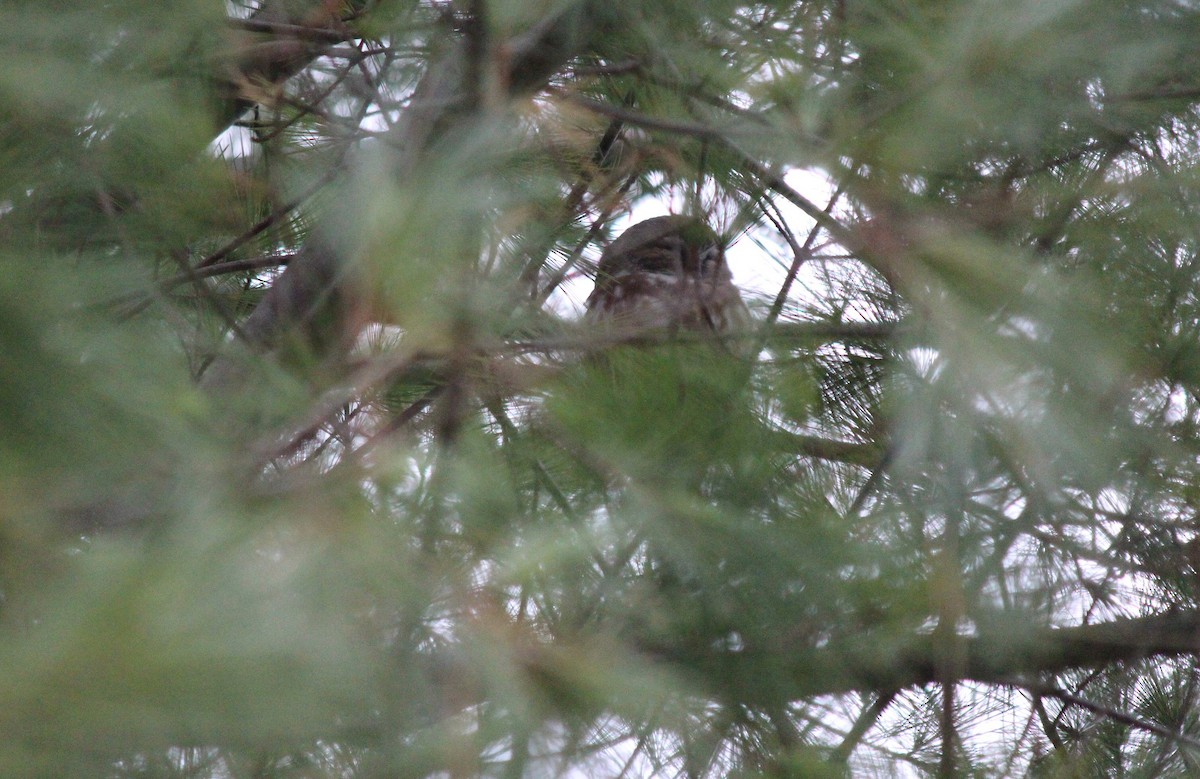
column 308, row 468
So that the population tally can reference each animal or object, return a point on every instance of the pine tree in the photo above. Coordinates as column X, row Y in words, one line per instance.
column 309, row 466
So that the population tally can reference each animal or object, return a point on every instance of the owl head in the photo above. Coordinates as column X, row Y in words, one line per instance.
column 666, row 272
column 668, row 245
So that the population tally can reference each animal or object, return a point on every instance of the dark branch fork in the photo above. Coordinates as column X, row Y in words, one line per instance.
column 318, row 286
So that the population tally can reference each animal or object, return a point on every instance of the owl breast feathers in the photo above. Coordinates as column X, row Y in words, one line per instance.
column 667, row 273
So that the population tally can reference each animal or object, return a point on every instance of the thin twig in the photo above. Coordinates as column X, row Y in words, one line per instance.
column 862, row 724
column 320, row 34
column 569, row 208
column 1049, row 727
column 1047, row 690
column 269, row 220
column 220, row 269
column 577, row 252
column 800, row 253
column 208, row 294
column 233, row 266
column 600, row 339
column 615, row 69
column 309, row 107
column 642, row 120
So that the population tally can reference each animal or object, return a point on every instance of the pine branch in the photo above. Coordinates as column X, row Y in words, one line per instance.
column 315, row 300
column 880, row 664
column 287, row 41
column 996, row 655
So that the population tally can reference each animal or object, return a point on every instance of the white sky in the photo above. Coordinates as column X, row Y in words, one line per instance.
column 758, row 259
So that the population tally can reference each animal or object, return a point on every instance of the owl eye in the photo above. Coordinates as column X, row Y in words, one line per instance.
column 656, row 261
column 709, row 259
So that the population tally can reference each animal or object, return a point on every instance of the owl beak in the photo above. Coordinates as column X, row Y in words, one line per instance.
column 693, row 262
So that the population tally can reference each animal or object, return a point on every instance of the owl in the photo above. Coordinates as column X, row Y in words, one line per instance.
column 667, row 273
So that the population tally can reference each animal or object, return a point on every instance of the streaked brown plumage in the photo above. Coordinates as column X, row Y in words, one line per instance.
column 667, row 272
